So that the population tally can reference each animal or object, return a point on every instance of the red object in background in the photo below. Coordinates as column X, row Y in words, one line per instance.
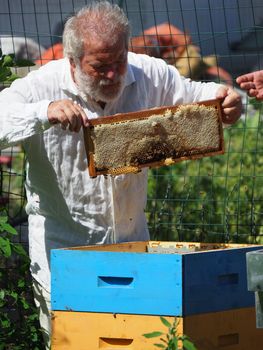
column 6, row 160
column 163, row 38
column 53, row 53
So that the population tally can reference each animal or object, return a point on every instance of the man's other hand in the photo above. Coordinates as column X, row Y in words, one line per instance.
column 231, row 104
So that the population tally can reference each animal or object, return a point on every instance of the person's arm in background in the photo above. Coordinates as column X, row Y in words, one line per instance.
column 252, row 83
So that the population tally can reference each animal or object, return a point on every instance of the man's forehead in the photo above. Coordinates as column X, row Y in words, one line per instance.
column 103, row 51
column 97, row 46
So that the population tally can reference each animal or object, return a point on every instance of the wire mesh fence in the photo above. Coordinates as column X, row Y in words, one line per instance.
column 217, row 199
column 212, row 199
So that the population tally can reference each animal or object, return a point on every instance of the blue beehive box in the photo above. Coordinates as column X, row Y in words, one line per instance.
column 151, row 278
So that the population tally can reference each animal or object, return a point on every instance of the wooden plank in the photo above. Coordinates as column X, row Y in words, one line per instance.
column 137, row 247
column 111, row 279
column 117, row 282
column 197, row 246
column 141, row 246
column 94, row 331
column 216, row 281
column 231, row 330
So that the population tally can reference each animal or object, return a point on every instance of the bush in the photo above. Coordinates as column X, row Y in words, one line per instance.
column 18, row 317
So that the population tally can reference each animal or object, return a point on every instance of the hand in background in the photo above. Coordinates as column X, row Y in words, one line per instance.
column 252, row 83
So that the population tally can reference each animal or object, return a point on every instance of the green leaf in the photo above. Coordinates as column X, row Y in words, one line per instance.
column 5, row 323
column 8, row 61
column 11, row 78
column 21, row 283
column 160, row 346
column 18, row 248
column 153, row 334
column 33, row 317
column 5, row 247
column 2, row 294
column 10, row 229
column 24, row 303
column 188, row 345
column 14, row 295
column 165, row 322
column 5, row 72
column 3, row 219
column 175, row 342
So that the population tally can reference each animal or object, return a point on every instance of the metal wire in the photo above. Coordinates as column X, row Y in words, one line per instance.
column 213, row 199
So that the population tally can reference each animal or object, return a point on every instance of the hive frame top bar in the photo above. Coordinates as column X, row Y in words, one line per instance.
column 137, row 116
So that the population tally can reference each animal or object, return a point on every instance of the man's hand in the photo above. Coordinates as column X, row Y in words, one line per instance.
column 252, row 83
column 231, row 104
column 69, row 114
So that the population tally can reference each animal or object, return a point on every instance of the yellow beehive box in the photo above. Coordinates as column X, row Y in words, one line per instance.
column 229, row 330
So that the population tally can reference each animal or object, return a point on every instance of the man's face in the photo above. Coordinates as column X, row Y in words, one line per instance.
column 101, row 71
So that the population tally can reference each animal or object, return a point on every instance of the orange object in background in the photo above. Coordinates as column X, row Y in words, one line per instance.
column 159, row 40
column 176, row 48
column 55, row 52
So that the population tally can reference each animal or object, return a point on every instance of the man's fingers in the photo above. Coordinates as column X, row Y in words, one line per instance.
column 68, row 113
column 231, row 115
column 74, row 116
column 84, row 118
column 221, row 92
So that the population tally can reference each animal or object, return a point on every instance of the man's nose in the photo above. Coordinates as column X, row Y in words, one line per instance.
column 111, row 72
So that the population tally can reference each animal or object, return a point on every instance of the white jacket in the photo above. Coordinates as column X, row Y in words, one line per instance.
column 65, row 206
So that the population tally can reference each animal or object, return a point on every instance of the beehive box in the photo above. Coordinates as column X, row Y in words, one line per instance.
column 127, row 142
column 151, row 278
column 228, row 330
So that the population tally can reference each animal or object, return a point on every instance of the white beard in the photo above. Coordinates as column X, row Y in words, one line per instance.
column 98, row 89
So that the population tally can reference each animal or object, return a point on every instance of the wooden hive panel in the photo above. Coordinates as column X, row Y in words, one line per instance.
column 125, row 143
column 229, row 330
column 119, row 278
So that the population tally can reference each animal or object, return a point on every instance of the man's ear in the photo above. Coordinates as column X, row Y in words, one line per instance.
column 72, row 67
column 72, row 63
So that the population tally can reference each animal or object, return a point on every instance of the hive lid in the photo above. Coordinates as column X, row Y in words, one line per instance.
column 125, row 143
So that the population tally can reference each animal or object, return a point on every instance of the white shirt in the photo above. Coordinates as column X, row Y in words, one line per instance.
column 65, row 206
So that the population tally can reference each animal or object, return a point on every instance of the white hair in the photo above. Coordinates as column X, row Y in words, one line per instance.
column 101, row 20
